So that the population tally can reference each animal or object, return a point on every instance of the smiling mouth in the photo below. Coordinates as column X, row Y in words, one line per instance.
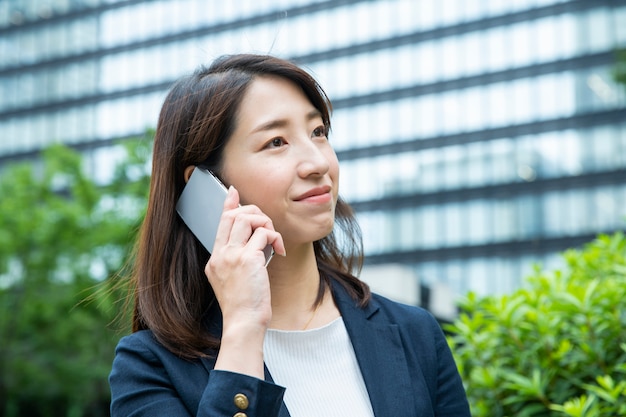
column 318, row 193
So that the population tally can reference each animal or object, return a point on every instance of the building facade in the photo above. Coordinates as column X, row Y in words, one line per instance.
column 475, row 137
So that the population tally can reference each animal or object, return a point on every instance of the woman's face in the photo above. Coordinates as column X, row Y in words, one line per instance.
column 279, row 159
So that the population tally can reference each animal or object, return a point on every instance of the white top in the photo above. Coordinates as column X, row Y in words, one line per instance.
column 319, row 370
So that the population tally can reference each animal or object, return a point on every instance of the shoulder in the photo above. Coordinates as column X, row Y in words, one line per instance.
column 142, row 362
column 142, row 338
column 146, row 376
column 141, row 351
column 418, row 328
column 384, row 311
column 141, row 343
column 403, row 314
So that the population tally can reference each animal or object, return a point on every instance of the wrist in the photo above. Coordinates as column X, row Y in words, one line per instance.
column 241, row 350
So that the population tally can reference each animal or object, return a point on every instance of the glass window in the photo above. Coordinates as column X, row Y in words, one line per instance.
column 427, row 116
column 431, row 226
column 503, row 162
column 455, row 275
column 406, row 16
column 478, row 276
column 573, row 152
column 498, row 96
column 474, row 217
column 407, row 229
column 503, row 226
column 472, row 52
column 475, row 108
column 605, row 202
column 5, row 14
column 454, row 167
column 427, row 70
column 522, row 97
column 407, row 116
column 549, row 96
column 496, row 53
column 598, row 25
column 451, row 223
column 497, row 7
column 450, row 57
column 451, row 112
column 430, row 170
column 604, row 148
column 553, row 214
column 426, row 15
column 8, row 93
column 568, row 43
column 372, row 223
column 621, row 138
column 430, row 272
column 547, row 39
column 449, row 12
column 620, row 205
column 477, row 160
column 472, row 9
column 576, row 213
column 520, row 41
column 518, row 5
column 619, row 17
column 529, row 216
column 405, row 169
column 600, row 91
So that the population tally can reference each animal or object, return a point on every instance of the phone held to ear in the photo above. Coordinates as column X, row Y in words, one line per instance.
column 200, row 206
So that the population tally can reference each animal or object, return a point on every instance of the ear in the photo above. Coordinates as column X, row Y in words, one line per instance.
column 188, row 172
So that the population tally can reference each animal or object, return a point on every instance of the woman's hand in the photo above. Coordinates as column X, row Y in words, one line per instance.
column 236, row 271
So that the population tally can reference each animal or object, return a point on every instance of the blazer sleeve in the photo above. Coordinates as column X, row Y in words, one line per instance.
column 451, row 399
column 147, row 380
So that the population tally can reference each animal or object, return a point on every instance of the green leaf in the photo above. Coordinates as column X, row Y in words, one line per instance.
column 556, row 345
column 63, row 238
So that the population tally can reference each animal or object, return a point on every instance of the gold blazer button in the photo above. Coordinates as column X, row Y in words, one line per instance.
column 241, row 401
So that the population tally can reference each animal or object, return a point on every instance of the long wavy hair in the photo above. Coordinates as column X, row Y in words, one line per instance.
column 172, row 296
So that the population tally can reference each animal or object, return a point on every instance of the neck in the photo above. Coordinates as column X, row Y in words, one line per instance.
column 294, row 285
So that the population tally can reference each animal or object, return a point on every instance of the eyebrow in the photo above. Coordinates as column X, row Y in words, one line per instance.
column 278, row 123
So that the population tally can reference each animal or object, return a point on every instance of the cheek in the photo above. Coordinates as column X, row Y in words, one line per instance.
column 333, row 171
column 257, row 187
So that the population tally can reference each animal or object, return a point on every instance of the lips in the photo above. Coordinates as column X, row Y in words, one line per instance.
column 314, row 192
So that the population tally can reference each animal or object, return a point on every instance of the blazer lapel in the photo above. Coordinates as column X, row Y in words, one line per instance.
column 380, row 354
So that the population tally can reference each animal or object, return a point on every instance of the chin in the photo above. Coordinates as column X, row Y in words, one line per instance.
column 325, row 231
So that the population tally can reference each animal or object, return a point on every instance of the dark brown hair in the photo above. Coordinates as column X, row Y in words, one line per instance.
column 173, row 297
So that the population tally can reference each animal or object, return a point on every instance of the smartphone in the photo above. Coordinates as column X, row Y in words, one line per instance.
column 200, row 206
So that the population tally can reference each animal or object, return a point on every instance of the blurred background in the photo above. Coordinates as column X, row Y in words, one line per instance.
column 476, row 137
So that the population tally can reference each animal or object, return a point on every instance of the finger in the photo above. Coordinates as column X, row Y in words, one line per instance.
column 232, row 199
column 245, row 224
column 263, row 237
column 231, row 202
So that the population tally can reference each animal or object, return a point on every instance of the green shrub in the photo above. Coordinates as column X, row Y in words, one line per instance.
column 555, row 347
column 63, row 238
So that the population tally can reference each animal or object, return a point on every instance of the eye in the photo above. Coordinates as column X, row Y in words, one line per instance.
column 275, row 143
column 320, row 131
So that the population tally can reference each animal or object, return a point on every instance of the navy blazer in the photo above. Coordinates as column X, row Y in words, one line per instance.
column 401, row 350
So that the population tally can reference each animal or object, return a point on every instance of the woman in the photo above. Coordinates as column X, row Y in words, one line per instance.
column 301, row 336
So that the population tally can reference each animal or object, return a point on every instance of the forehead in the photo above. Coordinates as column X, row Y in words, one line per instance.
column 272, row 89
column 271, row 102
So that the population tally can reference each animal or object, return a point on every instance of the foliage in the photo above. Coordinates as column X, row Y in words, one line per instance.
column 556, row 347
column 62, row 239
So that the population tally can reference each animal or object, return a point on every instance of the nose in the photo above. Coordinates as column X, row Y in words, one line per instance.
column 313, row 158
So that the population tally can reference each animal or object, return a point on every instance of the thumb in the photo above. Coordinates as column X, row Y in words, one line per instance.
column 232, row 199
